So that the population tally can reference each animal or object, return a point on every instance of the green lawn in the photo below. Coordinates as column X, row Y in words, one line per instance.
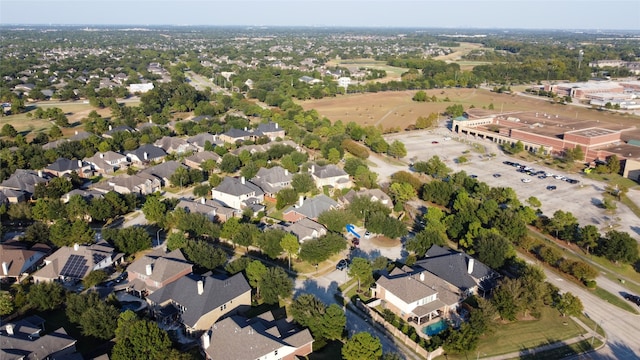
column 565, row 351
column 550, row 328
column 616, row 300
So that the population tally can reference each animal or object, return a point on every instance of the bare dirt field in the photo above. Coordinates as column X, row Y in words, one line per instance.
column 397, row 110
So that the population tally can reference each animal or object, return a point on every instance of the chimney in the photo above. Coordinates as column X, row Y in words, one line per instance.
column 202, row 200
column 79, row 163
column 5, row 268
column 300, row 200
column 205, row 341
column 150, row 121
column 76, row 247
column 286, row 172
column 245, row 128
column 422, row 276
column 145, row 155
column 110, row 127
column 200, row 287
column 470, row 266
column 101, row 155
column 9, row 329
column 39, row 173
column 76, row 132
column 276, row 125
column 313, row 169
column 242, row 180
column 148, row 269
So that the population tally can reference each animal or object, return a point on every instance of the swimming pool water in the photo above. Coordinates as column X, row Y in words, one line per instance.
column 435, row 328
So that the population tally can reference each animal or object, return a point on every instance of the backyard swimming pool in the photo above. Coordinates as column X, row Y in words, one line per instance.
column 435, row 328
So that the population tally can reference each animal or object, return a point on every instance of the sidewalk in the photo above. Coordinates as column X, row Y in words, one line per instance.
column 518, row 354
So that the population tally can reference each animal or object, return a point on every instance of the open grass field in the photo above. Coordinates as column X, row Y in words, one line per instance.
column 393, row 73
column 507, row 338
column 397, row 110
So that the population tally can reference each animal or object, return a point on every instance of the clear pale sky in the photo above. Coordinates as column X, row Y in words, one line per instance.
column 514, row 14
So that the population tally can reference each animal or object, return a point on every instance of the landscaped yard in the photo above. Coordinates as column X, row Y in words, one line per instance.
column 56, row 319
column 550, row 328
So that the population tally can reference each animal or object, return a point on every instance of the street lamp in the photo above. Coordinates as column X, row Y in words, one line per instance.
column 158, row 237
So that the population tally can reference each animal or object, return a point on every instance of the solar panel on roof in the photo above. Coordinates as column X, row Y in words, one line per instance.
column 98, row 257
column 75, row 267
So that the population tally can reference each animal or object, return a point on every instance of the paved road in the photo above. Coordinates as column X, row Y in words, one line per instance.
column 622, row 328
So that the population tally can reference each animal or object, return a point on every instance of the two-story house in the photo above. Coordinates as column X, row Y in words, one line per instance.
column 238, row 193
column 107, row 162
column 270, row 130
column 21, row 185
column 272, row 180
column 199, row 301
column 146, row 153
column 63, row 166
column 18, row 261
column 155, row 270
column 174, row 145
column 330, row 175
column 309, row 208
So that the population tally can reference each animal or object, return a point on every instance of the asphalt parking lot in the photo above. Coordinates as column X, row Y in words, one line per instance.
column 582, row 200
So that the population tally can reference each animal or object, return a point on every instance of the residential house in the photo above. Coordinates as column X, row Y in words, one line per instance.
column 145, row 154
column 22, row 339
column 238, row 194
column 155, row 270
column 309, row 208
column 458, row 269
column 262, row 337
column 270, row 130
column 375, row 195
column 140, row 88
column 107, row 162
column 174, row 145
column 199, row 301
column 141, row 183
column 22, row 184
column 272, row 180
column 80, row 135
column 234, row 135
column 164, row 171
column 18, row 261
column 265, row 147
column 416, row 295
column 75, row 262
column 63, row 166
column 309, row 80
column 213, row 210
column 330, row 175
column 305, row 229
column 88, row 195
column 199, row 141
column 195, row 161
column 112, row 130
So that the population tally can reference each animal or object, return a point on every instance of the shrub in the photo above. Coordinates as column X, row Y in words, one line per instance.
column 591, row 284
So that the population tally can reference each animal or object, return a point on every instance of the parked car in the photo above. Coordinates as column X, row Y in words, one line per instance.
column 367, row 234
column 496, row 175
column 342, row 264
column 551, row 187
column 355, row 242
column 525, row 180
column 434, row 142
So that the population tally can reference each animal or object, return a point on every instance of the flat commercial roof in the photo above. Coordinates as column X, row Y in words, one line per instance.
column 592, row 132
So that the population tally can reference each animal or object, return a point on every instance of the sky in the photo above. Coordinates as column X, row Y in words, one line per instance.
column 494, row 14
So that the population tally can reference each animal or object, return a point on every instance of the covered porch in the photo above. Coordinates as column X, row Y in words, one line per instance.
column 427, row 312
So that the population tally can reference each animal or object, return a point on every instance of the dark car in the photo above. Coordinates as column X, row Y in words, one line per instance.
column 342, row 264
column 434, row 142
column 496, row 175
column 633, row 298
column 355, row 242
column 551, row 187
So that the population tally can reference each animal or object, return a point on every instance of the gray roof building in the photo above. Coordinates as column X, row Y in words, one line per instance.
column 164, row 171
column 22, row 340
column 312, row 208
column 457, row 268
column 157, row 269
column 273, row 180
column 197, row 296
column 239, row 338
column 146, row 152
column 25, row 180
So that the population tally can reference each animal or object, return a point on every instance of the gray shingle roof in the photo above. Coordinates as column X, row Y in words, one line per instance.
column 217, row 292
column 239, row 338
column 164, row 170
column 63, row 164
column 312, row 208
column 153, row 152
column 327, row 171
column 22, row 345
column 25, row 180
column 234, row 186
column 452, row 266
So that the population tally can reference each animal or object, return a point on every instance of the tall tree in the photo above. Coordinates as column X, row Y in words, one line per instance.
column 362, row 346
column 139, row 339
column 361, row 270
column 276, row 285
column 291, row 245
column 256, row 271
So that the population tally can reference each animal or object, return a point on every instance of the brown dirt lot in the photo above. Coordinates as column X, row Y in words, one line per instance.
column 397, row 110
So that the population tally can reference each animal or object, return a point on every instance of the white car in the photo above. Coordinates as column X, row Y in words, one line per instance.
column 525, row 180
column 367, row 234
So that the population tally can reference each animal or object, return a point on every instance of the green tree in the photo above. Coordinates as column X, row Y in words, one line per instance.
column 6, row 303
column 613, row 164
column 229, row 228
column 95, row 317
column 588, row 237
column 335, row 220
column 230, row 163
column 308, row 311
column 9, row 131
column 401, row 192
column 434, row 167
column 276, row 285
column 176, row 240
column 508, row 299
column 45, row 295
column 290, row 244
column 424, row 239
column 333, row 322
column 533, row 201
column 154, row 209
column 302, row 183
column 37, row 233
column 362, row 346
column 569, row 304
column 139, row 339
column 397, row 149
column 204, row 254
column 493, row 249
column 256, row 272
column 286, row 197
column 94, row 278
column 361, row 270
column 618, row 246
